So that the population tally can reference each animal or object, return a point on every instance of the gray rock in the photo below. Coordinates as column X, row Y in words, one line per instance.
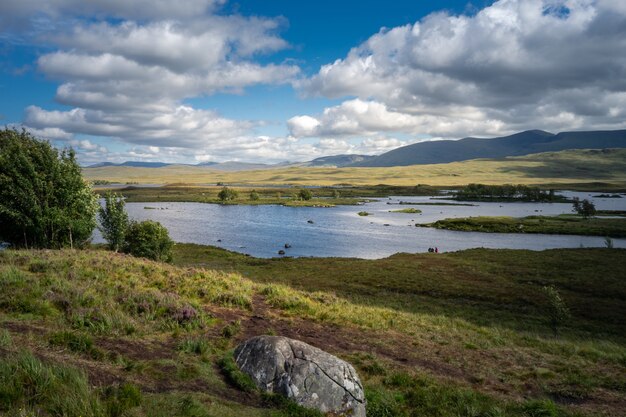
column 307, row 375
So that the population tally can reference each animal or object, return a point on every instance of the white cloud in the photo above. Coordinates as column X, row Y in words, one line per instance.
column 514, row 65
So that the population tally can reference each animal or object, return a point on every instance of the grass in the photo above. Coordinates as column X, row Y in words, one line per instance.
column 406, row 210
column 603, row 170
column 464, row 333
column 287, row 196
column 564, row 224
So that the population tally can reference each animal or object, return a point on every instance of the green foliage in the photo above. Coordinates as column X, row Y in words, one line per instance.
column 584, row 208
column 363, row 213
column 113, row 221
column 44, row 201
column 506, row 192
column 227, row 194
column 119, row 399
column 5, row 338
column 556, row 309
column 231, row 329
column 148, row 239
column 289, row 407
column 254, row 196
column 234, row 375
column 195, row 346
column 305, row 194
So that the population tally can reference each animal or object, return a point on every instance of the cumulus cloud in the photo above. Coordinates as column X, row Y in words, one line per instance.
column 126, row 69
column 517, row 64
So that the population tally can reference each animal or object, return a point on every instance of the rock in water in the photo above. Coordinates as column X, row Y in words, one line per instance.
column 307, row 375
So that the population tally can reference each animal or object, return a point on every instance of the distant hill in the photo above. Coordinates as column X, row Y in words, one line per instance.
column 523, row 143
column 138, row 164
column 337, row 160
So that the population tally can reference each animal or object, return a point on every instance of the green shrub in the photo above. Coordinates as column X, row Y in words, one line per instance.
column 122, row 398
column 44, row 201
column 113, row 221
column 148, row 239
column 556, row 309
column 227, row 194
column 305, row 194
column 254, row 196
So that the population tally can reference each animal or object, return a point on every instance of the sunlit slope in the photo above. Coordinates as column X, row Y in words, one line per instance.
column 565, row 167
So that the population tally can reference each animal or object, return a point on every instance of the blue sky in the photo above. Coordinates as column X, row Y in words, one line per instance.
column 269, row 81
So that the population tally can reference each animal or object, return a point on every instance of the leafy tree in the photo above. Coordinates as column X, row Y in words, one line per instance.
column 557, row 311
column 44, row 201
column 113, row 221
column 585, row 208
column 254, row 196
column 148, row 239
column 304, row 194
column 227, row 194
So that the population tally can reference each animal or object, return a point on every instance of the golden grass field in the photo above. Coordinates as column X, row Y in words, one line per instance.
column 553, row 168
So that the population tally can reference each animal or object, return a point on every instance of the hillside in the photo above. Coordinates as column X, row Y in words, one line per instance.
column 524, row 143
column 93, row 333
column 581, row 167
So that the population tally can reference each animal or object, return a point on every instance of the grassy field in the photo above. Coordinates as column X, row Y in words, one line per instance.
column 93, row 333
column 563, row 224
column 603, row 170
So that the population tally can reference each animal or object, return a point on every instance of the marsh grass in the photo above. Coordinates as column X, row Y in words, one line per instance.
column 564, row 224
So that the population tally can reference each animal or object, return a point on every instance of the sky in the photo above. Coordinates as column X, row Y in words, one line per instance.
column 283, row 80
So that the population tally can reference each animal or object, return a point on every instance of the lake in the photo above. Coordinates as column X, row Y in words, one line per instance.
column 262, row 231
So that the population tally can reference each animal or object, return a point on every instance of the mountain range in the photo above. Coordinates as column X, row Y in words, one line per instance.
column 523, row 143
column 436, row 152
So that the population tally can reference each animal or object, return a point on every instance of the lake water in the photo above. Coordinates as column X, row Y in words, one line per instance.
column 262, row 231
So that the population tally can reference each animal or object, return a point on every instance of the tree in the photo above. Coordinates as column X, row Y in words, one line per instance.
column 557, row 311
column 227, row 194
column 44, row 201
column 148, row 239
column 113, row 221
column 304, row 194
column 254, row 196
column 585, row 208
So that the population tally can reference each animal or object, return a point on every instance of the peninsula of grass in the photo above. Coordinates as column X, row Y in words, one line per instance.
column 94, row 333
column 406, row 210
column 287, row 196
column 563, row 224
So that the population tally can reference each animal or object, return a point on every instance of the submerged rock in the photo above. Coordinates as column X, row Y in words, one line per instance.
column 307, row 375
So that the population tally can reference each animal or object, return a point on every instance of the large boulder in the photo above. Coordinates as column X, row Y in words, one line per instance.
column 307, row 375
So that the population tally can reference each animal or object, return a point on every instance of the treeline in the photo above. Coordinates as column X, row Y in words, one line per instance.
column 507, row 192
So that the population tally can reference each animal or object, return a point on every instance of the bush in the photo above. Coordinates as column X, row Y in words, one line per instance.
column 44, row 201
column 254, row 196
column 585, row 208
column 113, row 221
column 305, row 194
column 148, row 239
column 227, row 194
column 556, row 310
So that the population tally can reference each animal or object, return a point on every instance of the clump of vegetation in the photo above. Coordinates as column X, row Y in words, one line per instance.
column 507, row 192
column 76, row 342
column 234, row 375
column 148, row 239
column 231, row 329
column 113, row 221
column 44, row 202
column 227, row 194
column 364, row 213
column 305, row 194
column 407, row 210
column 557, row 311
column 254, row 196
column 584, row 208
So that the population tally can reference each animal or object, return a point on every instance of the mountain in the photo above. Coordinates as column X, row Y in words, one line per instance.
column 523, row 143
column 337, row 160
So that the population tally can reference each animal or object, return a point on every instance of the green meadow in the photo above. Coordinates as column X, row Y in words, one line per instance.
column 94, row 333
